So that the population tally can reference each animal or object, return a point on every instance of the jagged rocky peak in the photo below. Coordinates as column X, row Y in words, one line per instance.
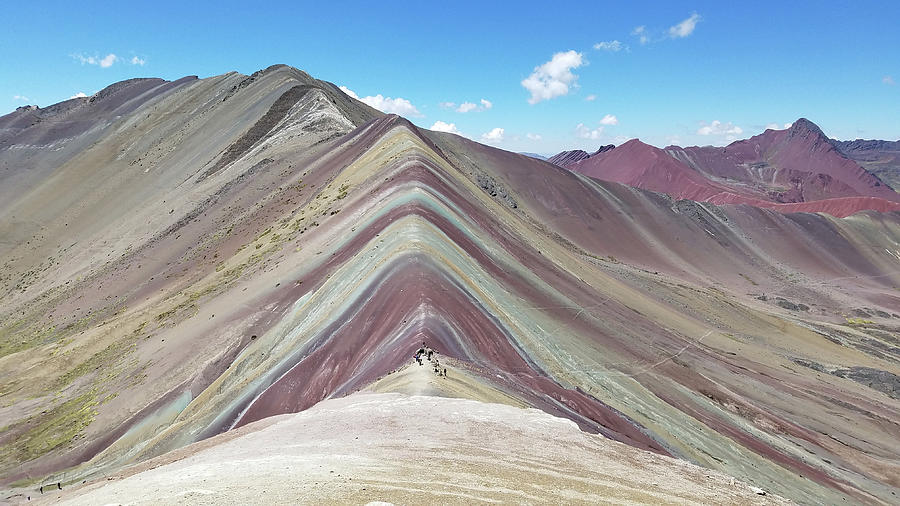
column 603, row 149
column 805, row 127
column 568, row 157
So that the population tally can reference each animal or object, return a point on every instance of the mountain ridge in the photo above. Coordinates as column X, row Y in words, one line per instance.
column 772, row 169
column 149, row 303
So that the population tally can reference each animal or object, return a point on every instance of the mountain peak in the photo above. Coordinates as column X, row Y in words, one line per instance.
column 803, row 125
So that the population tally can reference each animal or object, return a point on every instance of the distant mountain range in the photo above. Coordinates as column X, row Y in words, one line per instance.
column 797, row 169
column 881, row 158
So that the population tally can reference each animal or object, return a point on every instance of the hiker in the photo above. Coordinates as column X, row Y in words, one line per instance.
column 59, row 485
column 445, row 372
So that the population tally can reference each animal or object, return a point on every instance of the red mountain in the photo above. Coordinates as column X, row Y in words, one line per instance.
column 798, row 169
column 799, row 164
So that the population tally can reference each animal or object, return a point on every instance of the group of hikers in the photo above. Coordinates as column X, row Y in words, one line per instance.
column 58, row 487
column 427, row 353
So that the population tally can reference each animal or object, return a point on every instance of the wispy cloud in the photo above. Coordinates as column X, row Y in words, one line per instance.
column 684, row 28
column 612, row 46
column 80, row 94
column 465, row 107
column 495, row 136
column 106, row 61
column 716, row 128
column 587, row 133
column 641, row 33
column 22, row 98
column 591, row 97
column 888, row 80
column 609, row 119
column 399, row 106
column 678, row 31
column 553, row 78
column 533, row 137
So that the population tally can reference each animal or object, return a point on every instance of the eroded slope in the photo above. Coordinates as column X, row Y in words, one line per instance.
column 171, row 302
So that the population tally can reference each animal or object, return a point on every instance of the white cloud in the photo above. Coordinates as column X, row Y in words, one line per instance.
column 609, row 119
column 591, row 97
column 440, row 126
column 350, row 93
column 613, row 46
column 399, row 106
column 494, row 136
column 586, row 133
column 641, row 33
column 137, row 61
column 772, row 126
column 465, row 107
column 80, row 94
column 105, row 62
column 788, row 125
column 108, row 60
column 533, row 137
column 23, row 98
column 719, row 128
column 684, row 28
column 673, row 140
column 85, row 59
column 888, row 80
column 448, row 105
column 553, row 78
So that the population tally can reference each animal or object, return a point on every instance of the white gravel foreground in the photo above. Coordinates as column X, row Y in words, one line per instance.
column 393, row 448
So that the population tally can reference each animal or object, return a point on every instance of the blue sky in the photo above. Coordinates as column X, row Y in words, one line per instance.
column 535, row 76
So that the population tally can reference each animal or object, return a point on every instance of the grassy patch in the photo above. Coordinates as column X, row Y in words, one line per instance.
column 103, row 359
column 54, row 428
column 342, row 191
